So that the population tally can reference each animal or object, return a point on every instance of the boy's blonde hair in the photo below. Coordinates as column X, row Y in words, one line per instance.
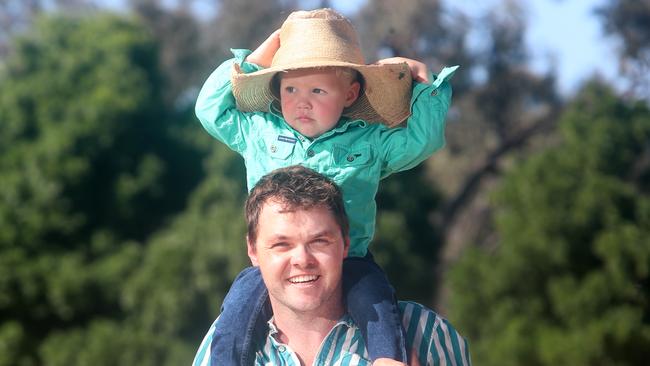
column 348, row 74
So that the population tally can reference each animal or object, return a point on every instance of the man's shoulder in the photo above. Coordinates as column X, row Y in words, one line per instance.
column 414, row 313
column 432, row 335
column 407, row 306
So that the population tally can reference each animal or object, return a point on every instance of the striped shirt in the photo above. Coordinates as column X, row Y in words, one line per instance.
column 434, row 338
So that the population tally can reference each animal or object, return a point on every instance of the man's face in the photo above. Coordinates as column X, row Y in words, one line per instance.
column 313, row 100
column 300, row 254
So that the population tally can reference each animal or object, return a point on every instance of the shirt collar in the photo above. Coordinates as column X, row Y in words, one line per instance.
column 346, row 320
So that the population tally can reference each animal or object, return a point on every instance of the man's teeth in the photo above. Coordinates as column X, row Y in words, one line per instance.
column 302, row 279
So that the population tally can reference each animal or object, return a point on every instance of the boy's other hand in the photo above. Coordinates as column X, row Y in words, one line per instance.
column 419, row 70
column 263, row 55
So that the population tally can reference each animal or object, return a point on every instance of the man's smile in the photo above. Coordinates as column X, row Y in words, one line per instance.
column 304, row 278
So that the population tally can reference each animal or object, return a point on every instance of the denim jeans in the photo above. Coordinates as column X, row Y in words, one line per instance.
column 370, row 301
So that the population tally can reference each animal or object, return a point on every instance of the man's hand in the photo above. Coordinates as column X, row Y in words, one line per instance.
column 419, row 70
column 388, row 362
column 263, row 55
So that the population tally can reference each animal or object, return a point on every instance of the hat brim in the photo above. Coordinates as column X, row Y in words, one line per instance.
column 385, row 98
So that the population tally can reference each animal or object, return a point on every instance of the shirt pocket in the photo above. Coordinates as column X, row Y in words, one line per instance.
column 277, row 149
column 352, row 156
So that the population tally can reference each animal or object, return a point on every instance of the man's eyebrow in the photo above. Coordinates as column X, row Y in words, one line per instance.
column 319, row 234
column 325, row 232
column 278, row 237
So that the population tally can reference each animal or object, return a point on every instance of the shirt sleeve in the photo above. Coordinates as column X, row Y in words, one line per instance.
column 202, row 357
column 216, row 107
column 405, row 147
column 432, row 337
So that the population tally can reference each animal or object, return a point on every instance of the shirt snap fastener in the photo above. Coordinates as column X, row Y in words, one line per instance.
column 281, row 348
column 434, row 93
column 311, row 153
column 350, row 158
column 274, row 148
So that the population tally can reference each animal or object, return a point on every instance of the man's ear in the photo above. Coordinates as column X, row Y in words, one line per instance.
column 346, row 245
column 252, row 252
column 353, row 93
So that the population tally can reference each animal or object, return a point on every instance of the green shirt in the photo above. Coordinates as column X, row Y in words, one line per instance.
column 355, row 154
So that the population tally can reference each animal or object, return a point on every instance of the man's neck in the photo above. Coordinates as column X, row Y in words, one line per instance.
column 303, row 332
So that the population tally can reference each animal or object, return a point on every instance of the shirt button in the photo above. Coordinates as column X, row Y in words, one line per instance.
column 274, row 148
column 311, row 153
column 282, row 348
column 350, row 158
column 434, row 93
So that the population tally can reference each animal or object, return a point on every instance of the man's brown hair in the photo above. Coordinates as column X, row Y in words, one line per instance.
column 295, row 187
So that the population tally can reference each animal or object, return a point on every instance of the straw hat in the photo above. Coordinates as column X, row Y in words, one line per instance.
column 324, row 38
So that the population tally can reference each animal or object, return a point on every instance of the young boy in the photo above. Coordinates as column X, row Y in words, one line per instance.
column 305, row 96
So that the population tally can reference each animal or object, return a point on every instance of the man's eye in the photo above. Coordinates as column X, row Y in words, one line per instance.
column 290, row 89
column 319, row 91
column 322, row 242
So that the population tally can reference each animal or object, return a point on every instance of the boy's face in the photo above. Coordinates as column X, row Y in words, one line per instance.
column 312, row 100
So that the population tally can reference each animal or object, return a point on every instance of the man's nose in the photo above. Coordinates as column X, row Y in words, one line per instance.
column 302, row 256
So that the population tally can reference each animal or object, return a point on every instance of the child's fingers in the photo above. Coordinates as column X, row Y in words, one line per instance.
column 420, row 74
column 275, row 35
column 419, row 70
column 263, row 55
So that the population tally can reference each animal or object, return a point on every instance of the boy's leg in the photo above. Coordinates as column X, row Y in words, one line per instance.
column 241, row 324
column 372, row 305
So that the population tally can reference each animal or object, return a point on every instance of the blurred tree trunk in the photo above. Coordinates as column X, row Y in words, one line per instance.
column 629, row 21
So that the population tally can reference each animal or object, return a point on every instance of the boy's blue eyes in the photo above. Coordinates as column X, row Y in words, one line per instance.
column 291, row 89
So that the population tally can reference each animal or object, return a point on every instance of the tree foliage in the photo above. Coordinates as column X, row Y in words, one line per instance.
column 90, row 170
column 568, row 282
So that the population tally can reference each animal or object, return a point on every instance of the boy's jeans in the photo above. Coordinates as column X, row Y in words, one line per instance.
column 370, row 302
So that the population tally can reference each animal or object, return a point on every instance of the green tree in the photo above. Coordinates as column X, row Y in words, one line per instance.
column 92, row 164
column 568, row 282
column 174, row 294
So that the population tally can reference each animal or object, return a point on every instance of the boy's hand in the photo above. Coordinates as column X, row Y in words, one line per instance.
column 263, row 55
column 419, row 70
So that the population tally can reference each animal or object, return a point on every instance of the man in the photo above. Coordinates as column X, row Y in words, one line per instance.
column 298, row 237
